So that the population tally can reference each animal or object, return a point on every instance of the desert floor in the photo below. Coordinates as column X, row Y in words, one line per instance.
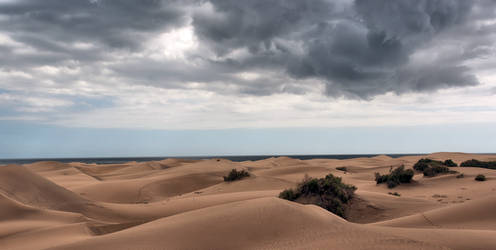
column 184, row 204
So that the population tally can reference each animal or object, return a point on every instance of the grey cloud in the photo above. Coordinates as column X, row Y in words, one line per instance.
column 357, row 49
column 119, row 24
column 404, row 18
column 216, row 77
column 253, row 24
column 420, row 80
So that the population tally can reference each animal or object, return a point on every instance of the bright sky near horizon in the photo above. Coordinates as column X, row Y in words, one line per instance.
column 221, row 77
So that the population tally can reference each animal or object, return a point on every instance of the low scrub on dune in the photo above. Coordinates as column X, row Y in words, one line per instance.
column 328, row 192
column 235, row 175
column 450, row 163
column 395, row 177
column 423, row 164
column 432, row 168
column 344, row 169
column 480, row 177
column 434, row 171
column 479, row 164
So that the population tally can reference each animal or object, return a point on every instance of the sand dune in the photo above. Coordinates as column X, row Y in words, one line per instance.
column 253, row 224
column 183, row 204
column 20, row 184
column 139, row 190
column 477, row 214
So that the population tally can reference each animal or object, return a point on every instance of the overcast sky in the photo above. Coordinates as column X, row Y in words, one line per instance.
column 179, row 66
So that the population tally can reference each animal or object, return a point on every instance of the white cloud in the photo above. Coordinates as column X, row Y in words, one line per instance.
column 155, row 108
column 173, row 44
column 31, row 104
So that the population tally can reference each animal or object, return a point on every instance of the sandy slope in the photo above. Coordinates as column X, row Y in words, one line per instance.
column 181, row 204
column 253, row 224
column 478, row 214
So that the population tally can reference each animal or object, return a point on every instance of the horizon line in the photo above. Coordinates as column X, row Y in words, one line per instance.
column 240, row 155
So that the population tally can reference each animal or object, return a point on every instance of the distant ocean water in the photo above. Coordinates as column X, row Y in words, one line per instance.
column 117, row 160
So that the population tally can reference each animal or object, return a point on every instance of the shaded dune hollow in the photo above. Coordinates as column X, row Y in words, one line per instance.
column 185, row 204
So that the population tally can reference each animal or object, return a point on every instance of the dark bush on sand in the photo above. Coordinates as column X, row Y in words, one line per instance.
column 395, row 177
column 479, row 164
column 432, row 168
column 422, row 164
column 480, row 177
column 450, row 163
column 329, row 193
column 289, row 194
column 236, row 175
column 433, row 171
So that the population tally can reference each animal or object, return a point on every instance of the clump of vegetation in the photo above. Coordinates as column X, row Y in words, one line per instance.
column 433, row 171
column 395, row 193
column 480, row 177
column 328, row 192
column 344, row 169
column 423, row 164
column 450, row 163
column 432, row 168
column 289, row 194
column 479, row 164
column 395, row 177
column 460, row 176
column 235, row 175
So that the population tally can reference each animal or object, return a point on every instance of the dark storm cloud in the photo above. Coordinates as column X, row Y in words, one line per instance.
column 358, row 49
column 255, row 23
column 405, row 18
column 120, row 24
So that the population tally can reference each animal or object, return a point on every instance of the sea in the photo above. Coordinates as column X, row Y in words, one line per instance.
column 237, row 158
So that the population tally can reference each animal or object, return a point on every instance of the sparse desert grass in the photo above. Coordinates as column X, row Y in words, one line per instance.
column 395, row 193
column 479, row 164
column 344, row 169
column 460, row 176
column 395, row 177
column 328, row 192
column 480, row 177
column 235, row 175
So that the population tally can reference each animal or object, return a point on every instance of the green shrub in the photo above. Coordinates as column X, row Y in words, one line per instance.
column 432, row 168
column 328, row 192
column 395, row 193
column 344, row 169
column 236, row 175
column 460, row 176
column 450, row 163
column 288, row 194
column 479, row 164
column 423, row 164
column 480, row 177
column 395, row 177
column 433, row 171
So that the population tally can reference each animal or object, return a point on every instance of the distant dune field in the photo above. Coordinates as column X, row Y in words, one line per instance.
column 185, row 204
